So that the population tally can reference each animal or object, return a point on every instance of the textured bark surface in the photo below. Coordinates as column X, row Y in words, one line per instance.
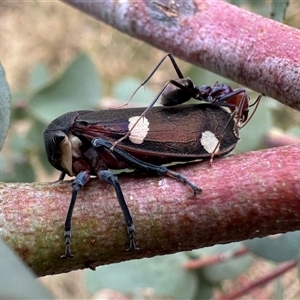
column 259, row 53
column 244, row 196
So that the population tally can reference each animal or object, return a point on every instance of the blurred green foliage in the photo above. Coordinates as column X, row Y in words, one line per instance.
column 79, row 87
column 17, row 280
column 5, row 106
column 166, row 276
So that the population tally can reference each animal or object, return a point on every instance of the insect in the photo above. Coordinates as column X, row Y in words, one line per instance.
column 183, row 89
column 80, row 144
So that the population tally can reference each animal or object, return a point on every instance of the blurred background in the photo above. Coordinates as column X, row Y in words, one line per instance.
column 58, row 59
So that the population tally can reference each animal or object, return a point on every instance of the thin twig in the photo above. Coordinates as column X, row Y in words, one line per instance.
column 215, row 259
column 259, row 282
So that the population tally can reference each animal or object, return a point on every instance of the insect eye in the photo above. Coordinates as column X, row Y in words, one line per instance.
column 56, row 142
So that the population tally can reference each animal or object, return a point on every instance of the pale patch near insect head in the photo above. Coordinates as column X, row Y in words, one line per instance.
column 210, row 142
column 139, row 129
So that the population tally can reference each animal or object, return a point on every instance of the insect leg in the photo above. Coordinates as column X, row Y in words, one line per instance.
column 180, row 76
column 81, row 179
column 255, row 104
column 130, row 160
column 240, row 123
column 225, row 97
column 62, row 176
column 220, row 140
column 176, row 67
column 108, row 177
column 150, row 106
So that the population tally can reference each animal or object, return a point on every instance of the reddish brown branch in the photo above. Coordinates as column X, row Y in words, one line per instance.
column 259, row 282
column 214, row 259
column 244, row 196
column 276, row 138
column 259, row 53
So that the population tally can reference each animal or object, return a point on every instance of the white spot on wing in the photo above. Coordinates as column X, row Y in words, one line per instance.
column 209, row 142
column 139, row 131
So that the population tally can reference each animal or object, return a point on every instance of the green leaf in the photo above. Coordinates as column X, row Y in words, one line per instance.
column 201, row 77
column 17, row 280
column 228, row 269
column 124, row 89
column 5, row 106
column 39, row 77
column 205, row 288
column 35, row 134
column 19, row 143
column 22, row 169
column 77, row 88
column 259, row 7
column 278, row 293
column 278, row 9
column 294, row 131
column 163, row 274
column 5, row 169
column 45, row 163
column 36, row 140
column 278, row 248
column 253, row 133
column 19, row 104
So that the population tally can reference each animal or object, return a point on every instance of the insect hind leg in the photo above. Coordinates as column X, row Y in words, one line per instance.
column 110, row 178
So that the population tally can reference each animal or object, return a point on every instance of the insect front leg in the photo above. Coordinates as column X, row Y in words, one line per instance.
column 110, row 178
column 62, row 176
column 176, row 67
column 81, row 179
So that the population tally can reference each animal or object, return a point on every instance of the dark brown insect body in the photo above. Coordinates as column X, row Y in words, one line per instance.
column 80, row 144
column 181, row 90
column 221, row 94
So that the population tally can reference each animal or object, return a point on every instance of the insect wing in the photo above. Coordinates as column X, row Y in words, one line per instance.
column 186, row 132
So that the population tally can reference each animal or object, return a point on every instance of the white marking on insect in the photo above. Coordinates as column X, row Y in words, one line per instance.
column 66, row 154
column 139, row 131
column 76, row 143
column 209, row 142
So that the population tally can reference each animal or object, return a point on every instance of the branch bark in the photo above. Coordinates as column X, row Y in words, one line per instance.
column 259, row 53
column 244, row 196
